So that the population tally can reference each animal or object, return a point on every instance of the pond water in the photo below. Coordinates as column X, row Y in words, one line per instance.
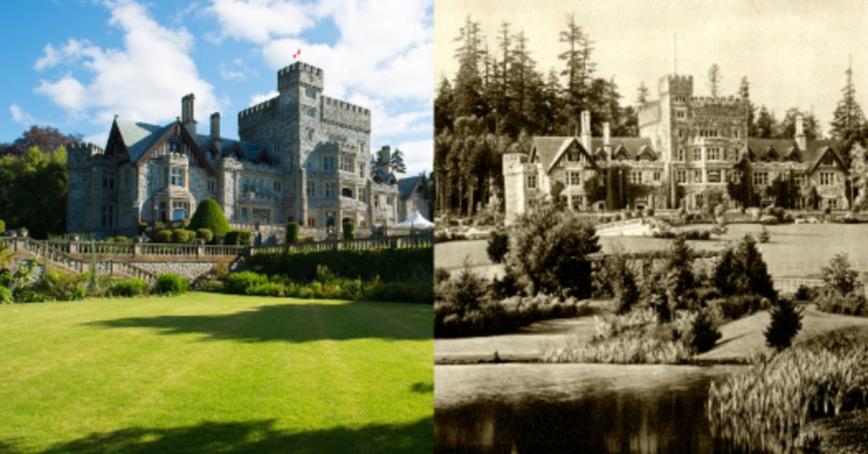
column 517, row 408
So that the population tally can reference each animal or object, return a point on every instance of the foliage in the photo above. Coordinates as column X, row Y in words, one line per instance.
column 693, row 235
column 785, row 324
column 2, row 226
column 764, row 235
column 840, row 276
column 624, row 285
column 33, row 190
column 409, row 292
column 183, row 236
column 205, row 235
column 390, row 265
column 5, row 295
column 703, row 333
column 735, row 307
column 678, row 278
column 57, row 285
column 742, row 271
column 163, row 236
column 129, row 287
column 550, row 253
column 171, row 284
column 498, row 246
column 238, row 238
column 210, row 216
column 766, row 407
column 349, row 230
column 830, row 300
column 292, row 232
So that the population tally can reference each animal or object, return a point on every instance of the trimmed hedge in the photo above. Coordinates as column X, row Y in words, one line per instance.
column 129, row 287
column 205, row 234
column 183, row 236
column 292, row 230
column 390, row 265
column 210, row 216
column 238, row 238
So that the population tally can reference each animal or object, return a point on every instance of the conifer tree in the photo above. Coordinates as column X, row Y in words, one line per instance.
column 848, row 120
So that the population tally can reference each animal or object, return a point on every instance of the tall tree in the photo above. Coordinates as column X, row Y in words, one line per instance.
column 848, row 121
column 750, row 110
column 578, row 68
column 714, row 79
column 765, row 124
column 468, row 81
column 786, row 129
column 443, row 105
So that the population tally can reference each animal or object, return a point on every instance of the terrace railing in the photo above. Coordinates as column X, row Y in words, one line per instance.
column 365, row 244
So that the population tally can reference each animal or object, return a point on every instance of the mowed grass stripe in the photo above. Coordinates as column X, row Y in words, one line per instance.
column 303, row 371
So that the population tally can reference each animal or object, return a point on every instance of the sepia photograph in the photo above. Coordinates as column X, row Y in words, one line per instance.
column 650, row 227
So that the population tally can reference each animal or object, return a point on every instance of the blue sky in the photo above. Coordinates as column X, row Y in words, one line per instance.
column 75, row 64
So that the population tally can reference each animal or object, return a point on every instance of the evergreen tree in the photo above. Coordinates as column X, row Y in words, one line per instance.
column 396, row 161
column 848, row 122
column 714, row 80
column 210, row 216
column 785, row 324
column 786, row 129
column 468, row 82
column 766, row 124
column 443, row 106
column 744, row 94
column 578, row 69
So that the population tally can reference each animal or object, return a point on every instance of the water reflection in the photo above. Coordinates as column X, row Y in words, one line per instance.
column 668, row 417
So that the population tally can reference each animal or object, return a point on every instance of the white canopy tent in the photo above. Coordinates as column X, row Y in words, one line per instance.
column 417, row 221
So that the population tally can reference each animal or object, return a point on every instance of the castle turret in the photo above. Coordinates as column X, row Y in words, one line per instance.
column 187, row 117
column 607, row 140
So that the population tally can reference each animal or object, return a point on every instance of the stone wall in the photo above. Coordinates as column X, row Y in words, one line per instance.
column 189, row 270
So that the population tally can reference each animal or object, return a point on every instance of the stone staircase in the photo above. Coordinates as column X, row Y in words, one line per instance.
column 27, row 248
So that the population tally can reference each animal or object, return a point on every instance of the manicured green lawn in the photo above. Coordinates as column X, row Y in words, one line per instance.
column 216, row 373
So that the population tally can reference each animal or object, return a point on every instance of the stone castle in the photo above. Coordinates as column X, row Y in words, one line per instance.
column 302, row 157
column 688, row 148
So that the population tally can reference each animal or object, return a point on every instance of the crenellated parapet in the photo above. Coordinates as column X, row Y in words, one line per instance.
column 299, row 73
column 342, row 113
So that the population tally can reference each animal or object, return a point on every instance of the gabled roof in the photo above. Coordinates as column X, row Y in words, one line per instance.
column 547, row 148
column 550, row 148
column 759, row 149
column 379, row 175
column 139, row 137
column 406, row 186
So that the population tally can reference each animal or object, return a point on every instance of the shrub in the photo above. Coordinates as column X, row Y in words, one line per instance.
column 840, row 276
column 120, row 239
column 292, row 231
column 61, row 286
column 626, row 290
column 129, row 287
column 440, row 275
column 410, row 292
column 738, row 306
column 742, row 271
column 209, row 285
column 498, row 246
column 703, row 333
column 163, row 236
column 171, row 284
column 240, row 282
column 205, row 234
column 5, row 295
column 390, row 265
column 549, row 253
column 183, row 236
column 830, row 300
column 2, row 226
column 785, row 324
column 238, row 238
column 209, row 216
column 804, row 293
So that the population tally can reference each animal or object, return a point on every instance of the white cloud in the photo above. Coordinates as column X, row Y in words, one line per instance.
column 20, row 116
column 256, row 99
column 260, row 20
column 144, row 80
column 417, row 155
column 235, row 70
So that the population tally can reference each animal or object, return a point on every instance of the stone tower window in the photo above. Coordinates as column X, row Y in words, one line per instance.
column 531, row 181
column 680, row 156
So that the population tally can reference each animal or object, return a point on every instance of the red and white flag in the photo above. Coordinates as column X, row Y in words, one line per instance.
column 296, row 54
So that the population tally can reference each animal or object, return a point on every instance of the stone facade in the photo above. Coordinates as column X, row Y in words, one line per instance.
column 301, row 157
column 689, row 148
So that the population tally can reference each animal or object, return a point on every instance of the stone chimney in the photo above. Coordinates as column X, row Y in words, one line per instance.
column 187, row 117
column 606, row 140
column 586, row 130
column 385, row 157
column 800, row 132
column 215, row 125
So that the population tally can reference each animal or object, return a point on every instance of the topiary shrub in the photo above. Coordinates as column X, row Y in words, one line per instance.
column 163, row 236
column 171, row 284
column 242, row 281
column 129, row 287
column 210, row 216
column 498, row 246
column 205, row 234
column 785, row 324
column 183, row 236
column 238, row 238
column 292, row 231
